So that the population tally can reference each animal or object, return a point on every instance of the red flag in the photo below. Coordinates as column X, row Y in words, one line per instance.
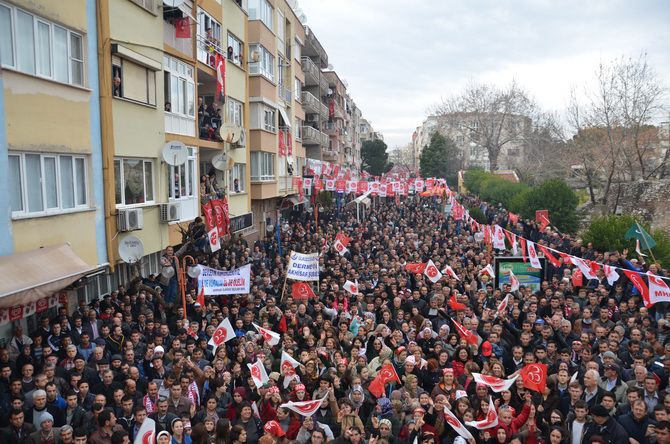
column 490, row 421
column 640, row 284
column 522, row 241
column 455, row 305
column 416, row 268
column 466, row 334
column 289, row 143
column 386, row 374
column 182, row 28
column 220, row 66
column 513, row 218
column 209, row 218
column 201, row 297
column 577, row 278
column 302, row 290
column 534, row 377
column 542, row 218
column 550, row 257
column 282, row 145
column 221, row 215
column 282, row 325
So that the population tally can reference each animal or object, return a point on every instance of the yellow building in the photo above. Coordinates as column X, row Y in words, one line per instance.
column 52, row 228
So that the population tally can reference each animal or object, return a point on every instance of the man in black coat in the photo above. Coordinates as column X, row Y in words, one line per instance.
column 606, row 427
column 18, row 431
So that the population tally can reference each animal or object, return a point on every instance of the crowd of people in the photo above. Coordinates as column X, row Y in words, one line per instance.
column 95, row 374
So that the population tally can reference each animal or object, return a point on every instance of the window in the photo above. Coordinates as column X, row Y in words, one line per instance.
column 36, row 46
column 209, row 38
column 297, row 49
column 182, row 179
column 145, row 4
column 237, row 178
column 281, row 30
column 298, row 89
column 297, row 128
column 235, row 50
column 133, row 82
column 262, row 62
column 235, row 111
column 261, row 10
column 179, row 87
column 262, row 166
column 269, row 119
column 134, row 181
column 47, row 183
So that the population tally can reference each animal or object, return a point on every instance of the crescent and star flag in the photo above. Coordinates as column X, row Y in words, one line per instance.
column 416, row 268
column 456, row 424
column 611, row 274
column 491, row 419
column 658, row 289
column 550, row 257
column 586, row 269
column 488, row 270
column 258, row 373
column 351, row 287
column 386, row 374
column 532, row 255
column 302, row 290
column 577, row 278
column 636, row 231
column 496, row 384
column 514, row 281
column 201, row 298
column 640, row 284
column 466, row 334
column 269, row 336
column 287, row 368
column 341, row 243
column 450, row 272
column 432, row 272
column 304, row 408
column 147, row 432
column 534, row 377
column 498, row 238
column 637, row 248
column 223, row 333
column 502, row 307
column 455, row 305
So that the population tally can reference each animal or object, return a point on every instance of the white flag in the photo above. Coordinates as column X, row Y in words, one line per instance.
column 213, row 236
column 498, row 238
column 223, row 333
column 305, row 408
column 450, row 272
column 488, row 270
column 258, row 373
column 611, row 274
column 456, row 424
column 532, row 254
column 491, row 419
column 351, row 287
column 496, row 384
column 287, row 368
column 432, row 272
column 638, row 250
column 147, row 432
column 270, row 336
column 514, row 281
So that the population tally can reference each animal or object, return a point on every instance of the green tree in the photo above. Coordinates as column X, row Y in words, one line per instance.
column 375, row 158
column 440, row 158
column 557, row 197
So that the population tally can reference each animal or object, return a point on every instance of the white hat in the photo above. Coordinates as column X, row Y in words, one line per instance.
column 159, row 349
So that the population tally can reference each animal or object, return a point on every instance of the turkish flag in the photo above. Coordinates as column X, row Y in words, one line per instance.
column 343, row 238
column 340, row 247
column 302, row 290
column 534, row 377
column 550, row 257
column 514, row 218
column 209, row 218
column 201, row 297
column 223, row 333
column 496, row 384
column 416, row 268
column 640, row 284
column 269, row 336
column 455, row 305
column 351, row 287
column 147, row 432
column 386, row 374
column 182, row 28
column 456, row 424
column 491, row 419
column 432, row 272
column 466, row 334
column 220, row 64
column 577, row 278
column 305, row 408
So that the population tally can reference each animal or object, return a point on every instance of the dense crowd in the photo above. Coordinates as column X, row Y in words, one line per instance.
column 96, row 373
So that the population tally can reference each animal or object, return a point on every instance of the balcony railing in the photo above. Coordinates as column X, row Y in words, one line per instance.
column 208, row 48
column 310, row 103
column 311, row 71
column 312, row 136
column 285, row 183
column 331, row 129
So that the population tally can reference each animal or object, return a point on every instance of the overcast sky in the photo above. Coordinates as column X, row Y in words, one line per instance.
column 399, row 57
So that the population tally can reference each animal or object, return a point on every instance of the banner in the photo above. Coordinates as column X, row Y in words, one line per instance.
column 303, row 267
column 218, row 282
column 221, row 216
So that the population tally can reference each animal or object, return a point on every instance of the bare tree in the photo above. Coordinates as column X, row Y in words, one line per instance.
column 492, row 115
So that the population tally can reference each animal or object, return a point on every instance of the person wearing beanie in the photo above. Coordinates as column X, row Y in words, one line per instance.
column 47, row 433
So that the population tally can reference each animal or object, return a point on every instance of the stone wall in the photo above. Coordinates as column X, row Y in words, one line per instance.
column 646, row 200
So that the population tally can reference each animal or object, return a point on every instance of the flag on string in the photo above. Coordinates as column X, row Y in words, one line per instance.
column 532, row 255
column 611, row 274
column 658, row 289
column 640, row 284
column 550, row 257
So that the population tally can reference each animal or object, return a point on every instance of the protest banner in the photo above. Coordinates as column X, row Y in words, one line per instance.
column 218, row 282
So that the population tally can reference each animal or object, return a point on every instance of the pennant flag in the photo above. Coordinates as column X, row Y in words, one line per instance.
column 550, row 257
column 522, row 241
column 577, row 278
column 586, row 269
column 498, row 238
column 214, row 240
column 147, row 432
column 502, row 307
column 450, row 272
column 658, row 289
column 201, row 297
column 514, row 281
column 639, row 283
column 488, row 270
column 611, row 274
column 491, row 419
column 305, row 408
column 534, row 377
column 351, row 287
column 637, row 248
column 532, row 255
column 639, row 233
column 258, row 373
column 386, row 374
column 496, row 384
column 302, row 290
column 270, row 336
column 223, row 333
column 455, row 305
column 514, row 218
column 432, row 272
column 466, row 334
column 456, row 424
column 416, row 268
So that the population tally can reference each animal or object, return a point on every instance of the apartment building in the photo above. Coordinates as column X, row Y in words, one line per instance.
column 275, row 78
column 52, row 229
column 314, row 96
column 352, row 135
column 337, row 118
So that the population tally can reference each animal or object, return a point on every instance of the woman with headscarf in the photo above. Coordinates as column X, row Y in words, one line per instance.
column 234, row 408
column 383, row 410
column 357, row 398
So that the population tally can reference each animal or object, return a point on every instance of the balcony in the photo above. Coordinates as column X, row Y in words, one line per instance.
column 311, row 104
column 285, row 184
column 284, row 93
column 331, row 129
column 312, row 136
column 311, row 71
column 170, row 38
column 208, row 48
column 179, row 124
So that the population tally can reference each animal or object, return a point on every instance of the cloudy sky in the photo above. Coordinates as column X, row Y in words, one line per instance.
column 400, row 57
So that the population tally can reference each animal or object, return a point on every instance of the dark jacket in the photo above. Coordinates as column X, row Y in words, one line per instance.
column 78, row 417
column 636, row 429
column 58, row 414
column 11, row 435
column 612, row 432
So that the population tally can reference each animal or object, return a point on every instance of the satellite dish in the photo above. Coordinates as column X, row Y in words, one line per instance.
column 131, row 249
column 167, row 272
column 230, row 132
column 194, row 271
column 220, row 161
column 173, row 3
column 175, row 153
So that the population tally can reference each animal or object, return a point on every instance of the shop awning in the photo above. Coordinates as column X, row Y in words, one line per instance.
column 295, row 200
column 33, row 275
column 284, row 116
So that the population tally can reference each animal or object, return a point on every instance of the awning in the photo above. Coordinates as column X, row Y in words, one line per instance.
column 287, row 121
column 295, row 200
column 33, row 275
column 362, row 198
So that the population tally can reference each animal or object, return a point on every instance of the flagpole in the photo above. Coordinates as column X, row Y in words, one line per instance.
column 283, row 289
column 645, row 241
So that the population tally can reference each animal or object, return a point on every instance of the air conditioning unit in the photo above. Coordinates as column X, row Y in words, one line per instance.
column 130, row 220
column 312, row 117
column 170, row 212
